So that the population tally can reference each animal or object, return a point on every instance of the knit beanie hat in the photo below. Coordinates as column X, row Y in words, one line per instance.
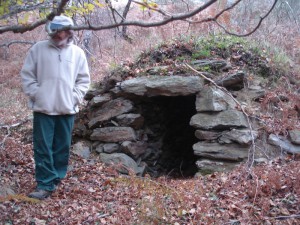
column 58, row 22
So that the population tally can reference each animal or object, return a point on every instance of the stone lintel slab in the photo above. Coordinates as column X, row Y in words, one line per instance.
column 162, row 86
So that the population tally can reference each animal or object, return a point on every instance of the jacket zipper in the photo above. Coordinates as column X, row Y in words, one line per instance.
column 59, row 54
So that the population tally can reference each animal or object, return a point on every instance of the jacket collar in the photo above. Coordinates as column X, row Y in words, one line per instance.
column 51, row 43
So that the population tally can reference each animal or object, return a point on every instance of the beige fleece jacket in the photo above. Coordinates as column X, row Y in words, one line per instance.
column 55, row 79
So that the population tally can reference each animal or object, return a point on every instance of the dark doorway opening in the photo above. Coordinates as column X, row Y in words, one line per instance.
column 170, row 137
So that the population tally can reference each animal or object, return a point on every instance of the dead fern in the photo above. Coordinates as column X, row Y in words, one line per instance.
column 19, row 197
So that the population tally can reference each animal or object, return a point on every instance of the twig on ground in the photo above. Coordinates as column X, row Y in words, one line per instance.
column 295, row 216
column 8, row 130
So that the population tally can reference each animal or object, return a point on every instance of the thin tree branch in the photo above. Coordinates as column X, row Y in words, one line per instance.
column 151, row 8
column 255, row 28
column 8, row 44
column 214, row 19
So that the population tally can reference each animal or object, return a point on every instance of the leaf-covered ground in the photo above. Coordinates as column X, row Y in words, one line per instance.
column 94, row 194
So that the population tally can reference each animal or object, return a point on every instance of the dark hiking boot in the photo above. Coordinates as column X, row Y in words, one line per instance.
column 57, row 181
column 40, row 194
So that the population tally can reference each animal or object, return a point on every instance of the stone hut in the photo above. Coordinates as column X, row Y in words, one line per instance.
column 174, row 125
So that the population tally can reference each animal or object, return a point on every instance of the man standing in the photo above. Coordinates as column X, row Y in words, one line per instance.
column 55, row 76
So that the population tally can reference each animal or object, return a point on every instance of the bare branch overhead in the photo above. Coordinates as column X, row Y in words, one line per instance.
column 120, row 15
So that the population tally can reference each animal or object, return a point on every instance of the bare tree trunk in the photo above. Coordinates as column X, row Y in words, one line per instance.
column 124, row 29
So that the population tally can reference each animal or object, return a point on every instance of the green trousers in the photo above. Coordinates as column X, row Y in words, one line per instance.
column 51, row 143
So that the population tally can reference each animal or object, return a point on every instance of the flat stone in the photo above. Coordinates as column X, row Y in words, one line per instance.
column 99, row 149
column 80, row 129
column 283, row 144
column 295, row 136
column 174, row 86
column 92, row 93
column 241, row 136
column 221, row 120
column 134, row 149
column 109, row 110
column 234, row 81
column 207, row 166
column 261, row 161
column 231, row 152
column 133, row 120
column 162, row 86
column 213, row 64
column 213, row 99
column 207, row 135
column 121, row 162
column 81, row 149
column 111, row 148
column 99, row 100
column 113, row 134
column 135, row 86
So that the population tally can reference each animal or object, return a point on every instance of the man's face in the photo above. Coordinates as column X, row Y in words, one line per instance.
column 60, row 36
